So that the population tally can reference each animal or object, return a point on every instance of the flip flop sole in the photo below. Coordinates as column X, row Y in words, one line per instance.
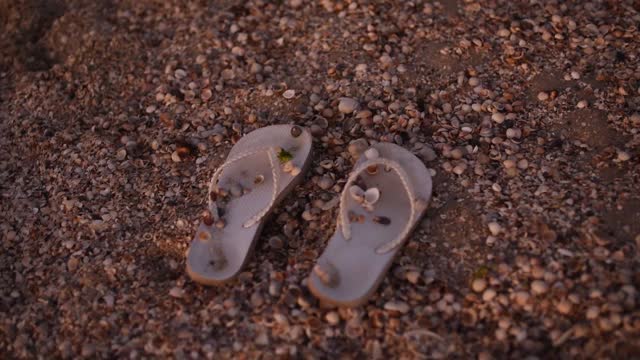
column 235, row 241
column 359, row 269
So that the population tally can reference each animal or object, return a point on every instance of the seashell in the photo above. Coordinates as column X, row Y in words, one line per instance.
column 296, row 131
column 372, row 169
column 357, row 193
column 220, row 224
column 371, row 196
column 207, row 218
column 327, row 273
column 371, row 153
column 382, row 220
column 326, row 164
column 288, row 166
column 203, row 236
column 258, row 180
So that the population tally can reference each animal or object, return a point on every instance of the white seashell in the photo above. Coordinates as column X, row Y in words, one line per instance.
column 371, row 153
column 288, row 167
column 371, row 196
column 357, row 193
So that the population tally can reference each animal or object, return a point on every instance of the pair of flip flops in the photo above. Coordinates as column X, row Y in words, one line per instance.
column 383, row 199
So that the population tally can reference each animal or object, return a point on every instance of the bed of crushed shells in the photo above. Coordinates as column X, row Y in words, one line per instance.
column 114, row 114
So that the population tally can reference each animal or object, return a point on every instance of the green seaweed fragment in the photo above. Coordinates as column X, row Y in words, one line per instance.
column 284, row 156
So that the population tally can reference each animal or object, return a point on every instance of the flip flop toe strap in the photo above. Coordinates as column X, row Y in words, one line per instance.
column 404, row 178
column 275, row 173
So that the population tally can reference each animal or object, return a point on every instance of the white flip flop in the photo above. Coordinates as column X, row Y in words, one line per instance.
column 260, row 170
column 384, row 198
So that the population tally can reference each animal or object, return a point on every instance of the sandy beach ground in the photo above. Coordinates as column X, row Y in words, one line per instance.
column 114, row 114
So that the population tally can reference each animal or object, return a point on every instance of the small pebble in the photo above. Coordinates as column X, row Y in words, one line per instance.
column 399, row 306
column 385, row 60
column 494, row 228
column 623, row 156
column 521, row 298
column 289, row 94
column 325, row 182
column 478, row 285
column 276, row 242
column 582, row 104
column 457, row 153
column 564, row 307
column 121, row 154
column 176, row 292
column 256, row 299
column 592, row 312
column 332, row 318
column 509, row 164
column 488, row 295
column 460, row 169
column 504, row 32
column 543, row 96
column 413, row 276
column 347, row 105
column 539, row 287
column 498, row 117
column 72, row 263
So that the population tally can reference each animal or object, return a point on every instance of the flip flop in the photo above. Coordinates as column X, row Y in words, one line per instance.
column 260, row 170
column 384, row 198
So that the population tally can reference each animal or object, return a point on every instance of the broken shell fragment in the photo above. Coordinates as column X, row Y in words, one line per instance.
column 357, row 193
column 287, row 167
column 371, row 153
column 258, row 179
column 327, row 273
column 382, row 220
column 203, row 236
column 295, row 171
column 220, row 224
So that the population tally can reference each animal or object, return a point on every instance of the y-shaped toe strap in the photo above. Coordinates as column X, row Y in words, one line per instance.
column 404, row 178
column 275, row 173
